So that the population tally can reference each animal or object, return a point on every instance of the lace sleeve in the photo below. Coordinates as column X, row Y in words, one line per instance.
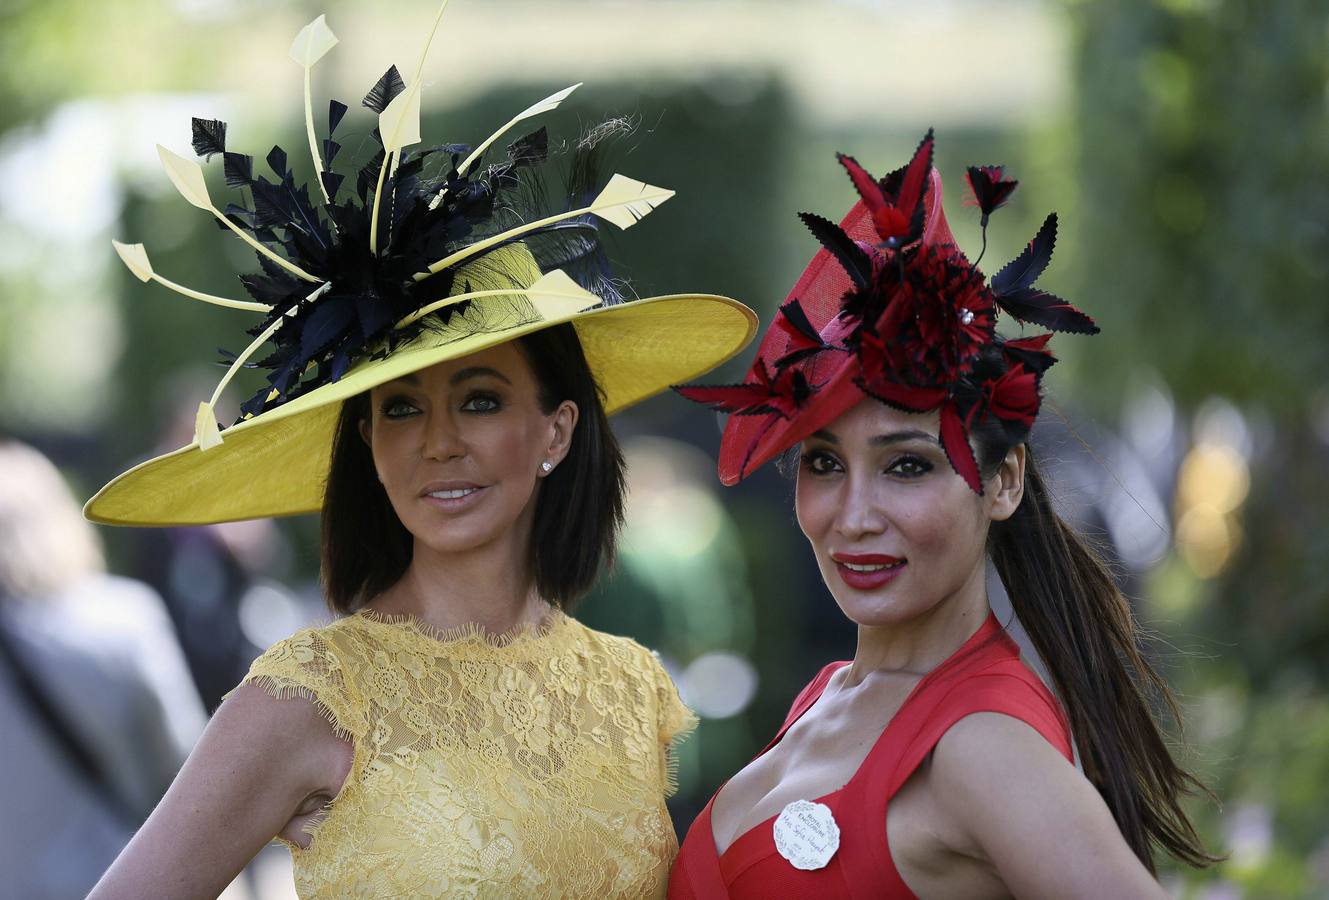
column 308, row 665
column 674, row 723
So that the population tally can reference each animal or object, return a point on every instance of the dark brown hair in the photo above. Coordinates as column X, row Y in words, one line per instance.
column 1082, row 627
column 366, row 549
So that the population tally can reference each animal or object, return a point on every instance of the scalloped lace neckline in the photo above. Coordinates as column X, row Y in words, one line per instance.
column 468, row 634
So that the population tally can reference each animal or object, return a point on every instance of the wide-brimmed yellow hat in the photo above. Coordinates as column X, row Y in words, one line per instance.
column 354, row 296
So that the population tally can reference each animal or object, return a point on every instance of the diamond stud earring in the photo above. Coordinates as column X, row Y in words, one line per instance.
column 546, row 467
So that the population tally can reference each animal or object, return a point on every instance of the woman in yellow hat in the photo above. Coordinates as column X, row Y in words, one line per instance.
column 439, row 380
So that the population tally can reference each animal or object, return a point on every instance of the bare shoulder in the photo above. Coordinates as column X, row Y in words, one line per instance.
column 1017, row 803
column 291, row 732
column 985, row 744
column 262, row 761
column 990, row 767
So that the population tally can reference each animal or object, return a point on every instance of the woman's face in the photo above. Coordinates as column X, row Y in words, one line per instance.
column 459, row 447
column 895, row 530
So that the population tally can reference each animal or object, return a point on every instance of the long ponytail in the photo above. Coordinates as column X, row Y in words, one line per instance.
column 1083, row 629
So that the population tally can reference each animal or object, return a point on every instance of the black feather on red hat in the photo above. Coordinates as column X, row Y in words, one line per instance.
column 891, row 308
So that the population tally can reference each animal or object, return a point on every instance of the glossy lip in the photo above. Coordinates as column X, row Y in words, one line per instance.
column 868, row 581
column 867, row 559
column 454, row 504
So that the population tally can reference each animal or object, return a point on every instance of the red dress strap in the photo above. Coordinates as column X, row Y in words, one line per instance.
column 806, row 697
column 988, row 678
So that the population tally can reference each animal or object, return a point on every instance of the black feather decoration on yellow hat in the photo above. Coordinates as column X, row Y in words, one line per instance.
column 354, row 275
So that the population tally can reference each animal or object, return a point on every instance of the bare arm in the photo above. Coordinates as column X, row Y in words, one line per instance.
column 1023, row 807
column 260, row 763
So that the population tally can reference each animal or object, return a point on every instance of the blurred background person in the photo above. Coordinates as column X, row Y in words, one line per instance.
column 204, row 573
column 97, row 709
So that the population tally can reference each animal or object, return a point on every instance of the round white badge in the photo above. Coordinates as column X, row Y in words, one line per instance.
column 806, row 834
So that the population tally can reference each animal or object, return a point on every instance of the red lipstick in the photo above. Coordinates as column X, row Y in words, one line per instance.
column 867, row 571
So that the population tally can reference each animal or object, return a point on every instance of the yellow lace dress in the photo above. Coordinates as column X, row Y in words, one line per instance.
column 534, row 765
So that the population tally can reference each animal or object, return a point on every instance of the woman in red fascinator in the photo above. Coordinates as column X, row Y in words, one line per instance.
column 935, row 763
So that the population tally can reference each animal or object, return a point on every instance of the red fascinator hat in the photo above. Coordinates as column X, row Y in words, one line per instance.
column 891, row 308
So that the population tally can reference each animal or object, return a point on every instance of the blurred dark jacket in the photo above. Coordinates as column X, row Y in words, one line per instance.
column 97, row 708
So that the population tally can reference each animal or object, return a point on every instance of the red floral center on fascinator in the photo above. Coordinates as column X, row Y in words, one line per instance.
column 891, row 308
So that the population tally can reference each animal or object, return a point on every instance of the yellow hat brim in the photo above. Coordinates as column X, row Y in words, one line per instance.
column 276, row 464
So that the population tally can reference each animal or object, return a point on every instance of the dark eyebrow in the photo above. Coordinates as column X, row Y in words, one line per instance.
column 894, row 437
column 477, row 372
column 461, row 375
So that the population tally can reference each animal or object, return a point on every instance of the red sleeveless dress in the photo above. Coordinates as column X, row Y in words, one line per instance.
column 984, row 675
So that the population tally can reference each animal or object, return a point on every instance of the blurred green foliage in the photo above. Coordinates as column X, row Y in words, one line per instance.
column 1202, row 156
column 1201, row 151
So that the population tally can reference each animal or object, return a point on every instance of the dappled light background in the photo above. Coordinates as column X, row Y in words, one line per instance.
column 1184, row 144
